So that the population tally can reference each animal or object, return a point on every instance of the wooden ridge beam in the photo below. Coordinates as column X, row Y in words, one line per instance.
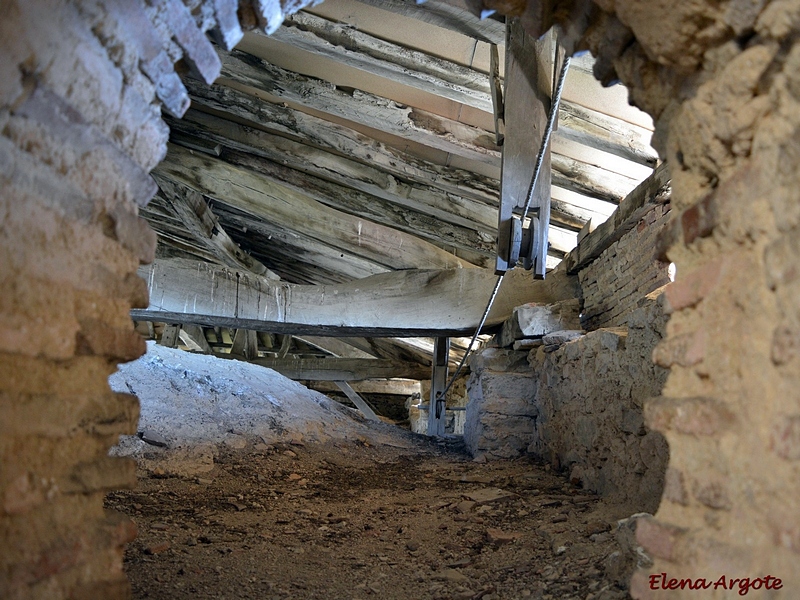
column 454, row 15
column 338, row 139
column 410, row 303
column 403, row 65
column 361, row 107
column 293, row 210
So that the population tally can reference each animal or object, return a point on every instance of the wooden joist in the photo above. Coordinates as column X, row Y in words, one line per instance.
column 410, row 303
column 296, row 211
column 384, row 387
column 361, row 107
column 406, row 66
column 342, row 369
column 455, row 15
column 338, row 139
column 357, row 400
column 193, row 212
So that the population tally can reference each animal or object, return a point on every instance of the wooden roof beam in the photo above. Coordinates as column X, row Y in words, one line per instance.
column 410, row 303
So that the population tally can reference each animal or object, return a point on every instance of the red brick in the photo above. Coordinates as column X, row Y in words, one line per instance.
column 691, row 288
column 657, row 539
column 685, row 349
column 691, row 416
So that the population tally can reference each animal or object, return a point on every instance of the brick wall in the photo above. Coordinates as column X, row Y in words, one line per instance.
column 623, row 274
column 81, row 89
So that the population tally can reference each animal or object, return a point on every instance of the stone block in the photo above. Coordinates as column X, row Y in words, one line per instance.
column 102, row 475
column 562, row 337
column 535, row 320
column 691, row 416
column 498, row 359
column 658, row 539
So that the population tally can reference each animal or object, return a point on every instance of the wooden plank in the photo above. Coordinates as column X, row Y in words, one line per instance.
column 191, row 208
column 293, row 210
column 410, row 303
column 392, row 349
column 342, row 369
column 297, row 256
column 384, row 387
column 454, row 15
column 314, row 131
column 621, row 221
column 437, row 416
column 498, row 107
column 590, row 180
column 331, row 167
column 245, row 344
column 337, row 347
column 353, row 48
column 364, row 108
column 357, row 400
column 194, row 338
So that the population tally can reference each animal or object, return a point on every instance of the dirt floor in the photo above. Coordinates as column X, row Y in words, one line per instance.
column 349, row 520
column 259, row 488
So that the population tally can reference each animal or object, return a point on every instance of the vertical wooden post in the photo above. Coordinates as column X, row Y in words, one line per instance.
column 441, row 352
column 169, row 337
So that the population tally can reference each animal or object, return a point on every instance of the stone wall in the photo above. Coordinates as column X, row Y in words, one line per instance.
column 579, row 406
column 614, row 283
column 721, row 80
column 81, row 89
column 590, row 398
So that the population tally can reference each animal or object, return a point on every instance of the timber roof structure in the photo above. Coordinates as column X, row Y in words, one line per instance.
column 365, row 137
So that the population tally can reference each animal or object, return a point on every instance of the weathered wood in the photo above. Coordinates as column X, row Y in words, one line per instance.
column 245, row 344
column 338, row 347
column 293, row 210
column 527, row 102
column 331, row 167
column 621, row 221
column 590, row 180
column 169, row 336
column 297, row 256
column 454, row 15
column 361, row 107
column 354, row 48
column 384, row 387
column 436, row 415
column 357, row 400
column 410, row 303
column 392, row 349
column 194, row 338
column 498, row 107
column 194, row 214
column 311, row 130
column 342, row 369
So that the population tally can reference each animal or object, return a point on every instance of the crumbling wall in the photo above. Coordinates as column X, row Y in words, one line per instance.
column 721, row 78
column 590, row 397
column 81, row 89
column 614, row 283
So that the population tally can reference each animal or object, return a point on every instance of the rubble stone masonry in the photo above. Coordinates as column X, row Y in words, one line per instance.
column 82, row 86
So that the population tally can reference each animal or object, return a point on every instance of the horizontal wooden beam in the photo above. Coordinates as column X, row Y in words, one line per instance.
column 294, row 210
column 361, row 107
column 410, row 303
column 406, row 66
column 384, row 387
column 342, row 369
column 454, row 15
column 314, row 131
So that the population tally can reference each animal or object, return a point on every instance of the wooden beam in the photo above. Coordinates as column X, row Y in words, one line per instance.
column 245, row 344
column 331, row 167
column 287, row 122
column 360, row 403
column 191, row 209
column 653, row 189
column 454, row 15
column 296, row 211
column 194, row 338
column 364, row 108
column 384, row 387
column 338, row 347
column 342, row 369
column 498, row 106
column 410, row 303
column 169, row 336
column 297, row 256
column 392, row 349
column 590, row 180
column 436, row 414
column 353, row 48
column 527, row 101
